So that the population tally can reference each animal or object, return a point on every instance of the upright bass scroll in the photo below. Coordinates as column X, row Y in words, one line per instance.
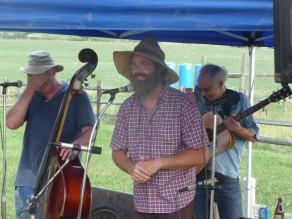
column 85, row 55
column 61, row 199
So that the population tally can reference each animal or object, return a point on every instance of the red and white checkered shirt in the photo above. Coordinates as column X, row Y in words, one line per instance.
column 174, row 126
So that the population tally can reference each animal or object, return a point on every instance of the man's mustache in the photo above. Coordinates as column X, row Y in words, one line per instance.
column 139, row 75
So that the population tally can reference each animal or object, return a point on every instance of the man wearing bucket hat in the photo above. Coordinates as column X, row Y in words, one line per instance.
column 159, row 136
column 38, row 106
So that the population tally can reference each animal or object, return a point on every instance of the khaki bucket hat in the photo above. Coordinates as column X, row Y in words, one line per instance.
column 39, row 62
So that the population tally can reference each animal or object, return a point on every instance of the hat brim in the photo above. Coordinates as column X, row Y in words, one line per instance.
column 122, row 61
column 35, row 70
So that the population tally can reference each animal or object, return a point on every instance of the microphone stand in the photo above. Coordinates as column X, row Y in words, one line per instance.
column 92, row 137
column 34, row 199
column 215, row 112
column 4, row 198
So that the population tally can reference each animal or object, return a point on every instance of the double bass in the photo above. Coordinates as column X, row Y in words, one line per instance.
column 61, row 198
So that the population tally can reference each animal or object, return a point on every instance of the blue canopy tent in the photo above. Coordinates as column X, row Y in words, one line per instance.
column 228, row 22
column 225, row 22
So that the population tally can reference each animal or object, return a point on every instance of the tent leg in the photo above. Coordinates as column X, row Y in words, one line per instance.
column 248, row 195
column 249, row 185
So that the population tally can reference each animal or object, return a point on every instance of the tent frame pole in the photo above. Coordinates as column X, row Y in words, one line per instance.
column 248, row 192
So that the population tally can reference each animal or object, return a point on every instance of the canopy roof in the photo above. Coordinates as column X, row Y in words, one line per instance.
column 225, row 22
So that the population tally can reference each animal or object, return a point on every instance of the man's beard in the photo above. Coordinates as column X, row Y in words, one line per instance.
column 146, row 86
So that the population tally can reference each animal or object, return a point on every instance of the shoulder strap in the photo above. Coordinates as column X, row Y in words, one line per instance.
column 228, row 105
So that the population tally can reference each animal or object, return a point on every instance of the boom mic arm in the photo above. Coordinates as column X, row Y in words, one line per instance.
column 127, row 88
column 198, row 184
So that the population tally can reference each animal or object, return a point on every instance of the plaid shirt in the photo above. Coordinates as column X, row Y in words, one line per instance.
column 173, row 126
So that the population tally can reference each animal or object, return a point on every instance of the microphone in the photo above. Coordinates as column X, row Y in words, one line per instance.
column 127, row 88
column 13, row 84
column 78, row 147
column 231, row 99
column 202, row 183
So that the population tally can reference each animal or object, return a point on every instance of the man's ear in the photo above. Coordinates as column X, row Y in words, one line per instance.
column 221, row 84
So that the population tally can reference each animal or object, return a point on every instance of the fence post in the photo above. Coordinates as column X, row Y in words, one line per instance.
column 242, row 77
column 203, row 60
column 98, row 96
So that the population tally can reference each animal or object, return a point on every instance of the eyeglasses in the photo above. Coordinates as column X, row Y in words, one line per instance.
column 142, row 66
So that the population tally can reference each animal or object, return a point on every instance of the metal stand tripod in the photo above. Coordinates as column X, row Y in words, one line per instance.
column 215, row 103
column 3, row 197
column 92, row 138
column 213, row 151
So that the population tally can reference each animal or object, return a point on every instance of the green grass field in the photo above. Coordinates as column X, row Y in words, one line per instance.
column 271, row 164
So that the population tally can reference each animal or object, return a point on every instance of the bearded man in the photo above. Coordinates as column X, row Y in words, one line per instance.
column 159, row 137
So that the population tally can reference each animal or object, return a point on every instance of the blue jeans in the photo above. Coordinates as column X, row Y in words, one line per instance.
column 22, row 195
column 228, row 198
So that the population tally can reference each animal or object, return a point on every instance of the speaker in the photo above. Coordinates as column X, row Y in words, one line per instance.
column 283, row 41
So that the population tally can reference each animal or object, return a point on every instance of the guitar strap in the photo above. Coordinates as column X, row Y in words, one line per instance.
column 228, row 105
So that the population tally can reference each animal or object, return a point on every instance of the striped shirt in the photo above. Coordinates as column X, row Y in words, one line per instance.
column 174, row 126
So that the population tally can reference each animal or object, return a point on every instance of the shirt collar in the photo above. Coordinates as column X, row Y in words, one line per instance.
column 162, row 95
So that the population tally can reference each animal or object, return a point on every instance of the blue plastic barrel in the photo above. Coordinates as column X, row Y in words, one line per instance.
column 197, row 69
column 173, row 67
column 186, row 75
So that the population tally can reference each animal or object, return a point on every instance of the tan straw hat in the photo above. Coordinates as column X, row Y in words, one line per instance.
column 40, row 62
column 148, row 48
